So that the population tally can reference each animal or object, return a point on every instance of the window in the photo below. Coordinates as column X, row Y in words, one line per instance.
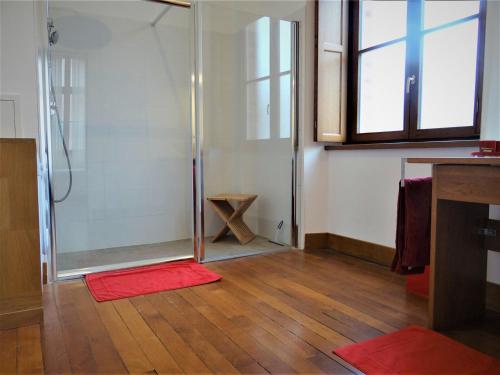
column 285, row 88
column 258, row 91
column 268, row 79
column 416, row 69
column 69, row 85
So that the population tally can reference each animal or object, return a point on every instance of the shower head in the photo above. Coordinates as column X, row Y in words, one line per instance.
column 53, row 33
column 79, row 32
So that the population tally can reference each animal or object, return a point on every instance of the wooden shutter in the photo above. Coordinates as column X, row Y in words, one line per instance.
column 331, row 71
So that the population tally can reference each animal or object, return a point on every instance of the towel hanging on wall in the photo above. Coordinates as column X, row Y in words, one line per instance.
column 413, row 231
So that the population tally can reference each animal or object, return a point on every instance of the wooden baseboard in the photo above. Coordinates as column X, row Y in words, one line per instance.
column 360, row 249
column 379, row 254
column 316, row 241
column 371, row 252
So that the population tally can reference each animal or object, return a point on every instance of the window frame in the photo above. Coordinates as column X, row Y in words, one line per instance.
column 414, row 38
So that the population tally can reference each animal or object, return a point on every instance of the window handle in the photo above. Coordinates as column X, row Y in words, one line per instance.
column 410, row 81
column 268, row 109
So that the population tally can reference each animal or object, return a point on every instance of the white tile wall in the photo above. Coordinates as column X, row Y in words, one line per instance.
column 135, row 187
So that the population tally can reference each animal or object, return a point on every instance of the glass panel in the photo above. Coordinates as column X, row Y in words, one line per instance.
column 381, row 89
column 449, row 77
column 437, row 13
column 258, row 110
column 285, row 45
column 381, row 21
column 76, row 116
column 124, row 103
column 246, row 118
column 77, row 75
column 285, row 106
column 285, row 89
column 258, row 46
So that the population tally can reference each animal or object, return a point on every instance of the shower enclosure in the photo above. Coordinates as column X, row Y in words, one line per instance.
column 136, row 138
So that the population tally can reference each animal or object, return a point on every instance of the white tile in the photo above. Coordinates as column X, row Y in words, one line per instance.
column 71, row 236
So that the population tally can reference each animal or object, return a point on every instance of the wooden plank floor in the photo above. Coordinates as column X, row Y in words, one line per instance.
column 276, row 313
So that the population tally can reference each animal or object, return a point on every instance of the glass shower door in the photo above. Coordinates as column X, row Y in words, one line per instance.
column 120, row 133
column 248, row 124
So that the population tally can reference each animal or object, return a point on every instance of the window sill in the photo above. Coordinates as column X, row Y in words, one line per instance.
column 402, row 145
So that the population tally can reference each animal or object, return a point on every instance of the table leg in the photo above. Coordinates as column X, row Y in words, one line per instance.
column 458, row 263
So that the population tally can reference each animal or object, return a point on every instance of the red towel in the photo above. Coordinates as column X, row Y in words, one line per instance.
column 413, row 231
column 111, row 285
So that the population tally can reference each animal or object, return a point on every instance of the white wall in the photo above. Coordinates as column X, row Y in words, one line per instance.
column 363, row 188
column 362, row 185
column 314, row 160
column 18, row 47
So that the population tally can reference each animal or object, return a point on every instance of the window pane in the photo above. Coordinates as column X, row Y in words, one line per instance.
column 449, row 77
column 258, row 48
column 381, row 21
column 77, row 74
column 62, row 71
column 285, row 45
column 285, row 106
column 440, row 12
column 381, row 89
column 258, row 111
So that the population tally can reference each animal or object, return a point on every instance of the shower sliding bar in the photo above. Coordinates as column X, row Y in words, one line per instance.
column 160, row 16
column 403, row 171
column 179, row 3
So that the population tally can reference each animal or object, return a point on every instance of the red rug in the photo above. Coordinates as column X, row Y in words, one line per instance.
column 111, row 285
column 416, row 350
column 419, row 283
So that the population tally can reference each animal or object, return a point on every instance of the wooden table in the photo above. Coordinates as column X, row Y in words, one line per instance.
column 233, row 217
column 461, row 233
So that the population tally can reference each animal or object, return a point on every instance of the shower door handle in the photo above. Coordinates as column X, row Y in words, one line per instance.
column 410, row 81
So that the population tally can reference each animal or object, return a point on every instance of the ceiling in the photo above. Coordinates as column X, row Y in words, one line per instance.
column 219, row 16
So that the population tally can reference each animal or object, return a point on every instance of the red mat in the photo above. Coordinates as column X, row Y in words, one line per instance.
column 419, row 283
column 416, row 350
column 111, row 285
